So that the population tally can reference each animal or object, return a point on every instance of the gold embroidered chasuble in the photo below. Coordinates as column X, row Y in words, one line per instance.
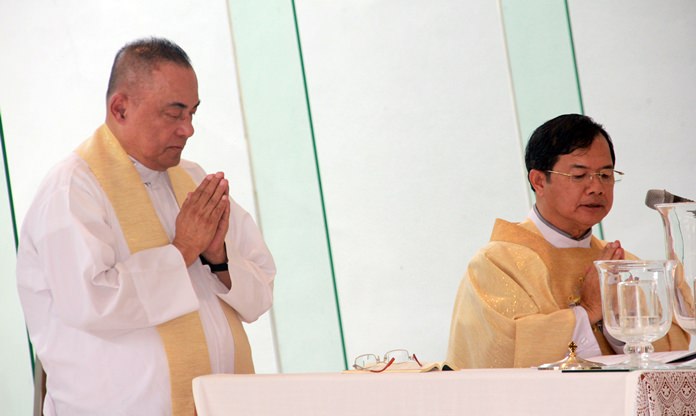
column 183, row 338
column 513, row 305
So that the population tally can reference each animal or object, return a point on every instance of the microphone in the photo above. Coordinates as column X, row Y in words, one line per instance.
column 660, row 196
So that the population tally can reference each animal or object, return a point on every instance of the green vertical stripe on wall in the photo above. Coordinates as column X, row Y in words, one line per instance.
column 575, row 60
column 13, row 217
column 288, row 186
column 8, row 185
column 321, row 189
column 542, row 63
column 18, row 356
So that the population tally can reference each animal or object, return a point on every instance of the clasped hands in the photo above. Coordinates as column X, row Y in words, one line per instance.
column 203, row 221
column 590, row 292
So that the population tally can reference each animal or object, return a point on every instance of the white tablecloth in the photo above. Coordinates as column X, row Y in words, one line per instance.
column 466, row 392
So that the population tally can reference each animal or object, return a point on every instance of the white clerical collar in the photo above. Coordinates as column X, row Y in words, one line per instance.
column 556, row 237
column 149, row 176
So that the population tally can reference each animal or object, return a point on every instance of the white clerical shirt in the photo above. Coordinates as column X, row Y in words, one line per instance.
column 92, row 308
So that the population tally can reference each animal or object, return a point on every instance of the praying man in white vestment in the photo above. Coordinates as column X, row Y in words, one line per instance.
column 533, row 288
column 135, row 268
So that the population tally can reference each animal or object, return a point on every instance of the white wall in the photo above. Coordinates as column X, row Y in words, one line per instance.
column 55, row 59
column 56, row 62
column 637, row 61
column 418, row 148
column 414, row 122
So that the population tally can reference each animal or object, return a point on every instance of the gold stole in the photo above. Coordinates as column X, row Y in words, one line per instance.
column 183, row 337
column 566, row 265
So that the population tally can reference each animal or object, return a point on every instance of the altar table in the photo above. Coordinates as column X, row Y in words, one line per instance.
column 465, row 392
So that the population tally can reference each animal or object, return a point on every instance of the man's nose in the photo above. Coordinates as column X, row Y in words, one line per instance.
column 594, row 185
column 186, row 128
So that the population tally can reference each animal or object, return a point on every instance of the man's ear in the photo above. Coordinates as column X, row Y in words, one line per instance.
column 117, row 107
column 538, row 180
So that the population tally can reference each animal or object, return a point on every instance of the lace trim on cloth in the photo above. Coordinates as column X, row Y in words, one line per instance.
column 666, row 393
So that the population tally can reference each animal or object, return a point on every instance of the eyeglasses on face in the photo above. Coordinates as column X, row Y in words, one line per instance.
column 604, row 176
column 371, row 362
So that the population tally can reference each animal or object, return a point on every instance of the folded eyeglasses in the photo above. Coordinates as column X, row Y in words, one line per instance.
column 373, row 363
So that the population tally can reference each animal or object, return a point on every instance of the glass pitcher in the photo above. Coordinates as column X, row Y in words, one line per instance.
column 679, row 220
column 637, row 306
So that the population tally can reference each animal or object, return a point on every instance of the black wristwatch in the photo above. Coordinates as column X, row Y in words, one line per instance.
column 220, row 267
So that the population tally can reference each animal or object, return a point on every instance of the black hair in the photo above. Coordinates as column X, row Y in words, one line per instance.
column 561, row 136
column 141, row 57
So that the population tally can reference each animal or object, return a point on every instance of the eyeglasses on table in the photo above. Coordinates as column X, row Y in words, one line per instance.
column 368, row 362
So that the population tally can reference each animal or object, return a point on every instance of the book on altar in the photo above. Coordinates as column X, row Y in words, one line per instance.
column 407, row 367
column 665, row 357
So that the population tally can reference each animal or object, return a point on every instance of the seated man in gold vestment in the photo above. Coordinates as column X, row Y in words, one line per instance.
column 533, row 288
